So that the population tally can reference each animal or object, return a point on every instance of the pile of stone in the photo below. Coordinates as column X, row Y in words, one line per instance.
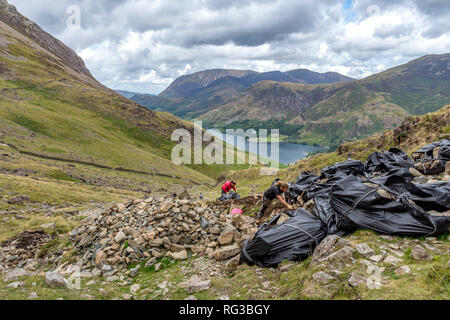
column 147, row 229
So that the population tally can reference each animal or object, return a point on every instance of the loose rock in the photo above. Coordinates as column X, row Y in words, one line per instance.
column 55, row 280
column 227, row 252
column 364, row 249
column 322, row 277
column 195, row 285
column 419, row 253
column 355, row 280
column 403, row 270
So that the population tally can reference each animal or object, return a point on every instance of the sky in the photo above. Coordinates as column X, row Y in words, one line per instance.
column 143, row 45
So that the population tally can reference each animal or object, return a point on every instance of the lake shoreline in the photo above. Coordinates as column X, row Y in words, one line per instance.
column 289, row 152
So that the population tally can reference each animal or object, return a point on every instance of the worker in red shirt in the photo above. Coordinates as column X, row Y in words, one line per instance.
column 227, row 186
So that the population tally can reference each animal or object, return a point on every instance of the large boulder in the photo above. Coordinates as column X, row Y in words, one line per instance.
column 227, row 236
column 55, row 280
column 180, row 255
column 226, row 252
column 15, row 274
column 195, row 284
column 333, row 249
column 419, row 253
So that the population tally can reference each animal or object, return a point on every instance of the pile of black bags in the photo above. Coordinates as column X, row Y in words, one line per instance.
column 377, row 195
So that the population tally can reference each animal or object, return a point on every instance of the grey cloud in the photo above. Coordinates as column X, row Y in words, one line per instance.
column 433, row 7
column 436, row 12
column 385, row 31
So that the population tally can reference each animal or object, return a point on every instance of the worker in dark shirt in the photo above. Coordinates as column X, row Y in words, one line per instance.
column 276, row 191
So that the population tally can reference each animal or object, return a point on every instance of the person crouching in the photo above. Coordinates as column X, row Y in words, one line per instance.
column 276, row 191
column 227, row 186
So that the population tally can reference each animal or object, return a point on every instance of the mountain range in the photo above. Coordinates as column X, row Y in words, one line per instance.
column 192, row 85
column 190, row 96
column 324, row 109
column 130, row 94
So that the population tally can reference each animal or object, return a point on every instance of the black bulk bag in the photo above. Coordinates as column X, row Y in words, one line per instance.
column 358, row 206
column 293, row 240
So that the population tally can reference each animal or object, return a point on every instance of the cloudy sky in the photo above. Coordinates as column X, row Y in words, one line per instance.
column 142, row 45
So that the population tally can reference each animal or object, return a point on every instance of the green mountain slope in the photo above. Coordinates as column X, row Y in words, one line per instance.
column 191, row 96
column 51, row 106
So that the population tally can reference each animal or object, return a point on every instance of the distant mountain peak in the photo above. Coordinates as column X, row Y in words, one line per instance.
column 187, row 86
column 311, row 77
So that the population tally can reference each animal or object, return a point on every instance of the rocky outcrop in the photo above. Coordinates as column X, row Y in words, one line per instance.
column 10, row 16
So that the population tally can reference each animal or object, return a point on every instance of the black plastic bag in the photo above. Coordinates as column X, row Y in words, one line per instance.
column 358, row 206
column 230, row 196
column 305, row 181
column 428, row 196
column 293, row 240
column 387, row 160
column 347, row 197
column 354, row 167
column 324, row 211
column 444, row 152
column 308, row 186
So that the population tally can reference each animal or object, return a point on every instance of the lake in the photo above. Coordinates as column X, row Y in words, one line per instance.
column 289, row 152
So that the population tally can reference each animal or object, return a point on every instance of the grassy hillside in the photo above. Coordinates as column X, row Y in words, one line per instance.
column 67, row 142
column 48, row 108
column 71, row 120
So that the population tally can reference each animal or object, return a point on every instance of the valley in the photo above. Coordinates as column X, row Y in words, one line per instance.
column 89, row 191
column 325, row 113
